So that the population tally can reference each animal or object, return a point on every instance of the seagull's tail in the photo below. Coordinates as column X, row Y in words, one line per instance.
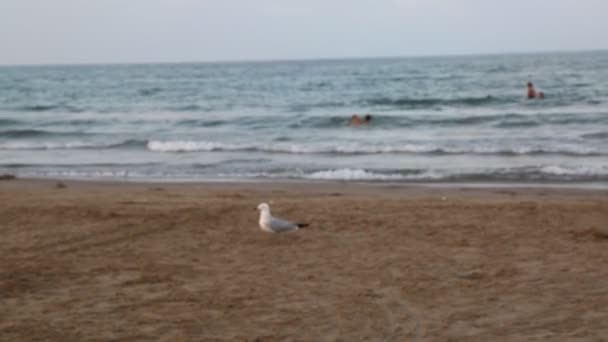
column 302, row 225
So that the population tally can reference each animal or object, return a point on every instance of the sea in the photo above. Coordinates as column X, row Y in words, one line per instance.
column 456, row 119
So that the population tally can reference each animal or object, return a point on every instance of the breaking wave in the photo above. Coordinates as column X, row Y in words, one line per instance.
column 356, row 148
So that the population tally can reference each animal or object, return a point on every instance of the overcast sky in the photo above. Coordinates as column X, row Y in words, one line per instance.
column 119, row 31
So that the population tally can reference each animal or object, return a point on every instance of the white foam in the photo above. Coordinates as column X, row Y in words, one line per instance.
column 522, row 150
column 599, row 170
column 359, row 148
column 352, row 174
column 31, row 145
column 192, row 146
column 360, row 174
column 83, row 174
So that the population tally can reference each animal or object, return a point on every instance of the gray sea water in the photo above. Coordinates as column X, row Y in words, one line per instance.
column 436, row 119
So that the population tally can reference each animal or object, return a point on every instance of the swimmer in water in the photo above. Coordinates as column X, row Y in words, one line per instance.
column 355, row 120
column 531, row 91
column 532, row 94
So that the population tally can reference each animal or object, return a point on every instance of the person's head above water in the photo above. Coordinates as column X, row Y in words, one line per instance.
column 368, row 117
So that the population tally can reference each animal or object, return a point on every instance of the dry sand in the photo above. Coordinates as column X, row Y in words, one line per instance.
column 187, row 262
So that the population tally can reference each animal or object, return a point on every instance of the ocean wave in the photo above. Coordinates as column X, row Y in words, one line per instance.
column 284, row 147
column 32, row 145
column 200, row 123
column 149, row 91
column 206, row 146
column 431, row 102
column 524, row 174
column 303, row 122
column 569, row 150
column 320, row 122
column 567, row 119
column 534, row 174
column 596, row 135
column 365, row 175
column 33, row 133
column 305, row 107
column 345, row 174
column 389, row 121
column 312, row 86
column 44, row 108
column 36, row 108
column 9, row 122
column 85, row 174
column 76, row 122
column 514, row 120
column 68, row 145
column 191, row 108
column 194, row 146
column 85, row 166
column 574, row 170
column 521, row 174
column 356, row 148
column 506, row 120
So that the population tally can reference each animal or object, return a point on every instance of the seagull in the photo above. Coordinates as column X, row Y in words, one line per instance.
column 273, row 224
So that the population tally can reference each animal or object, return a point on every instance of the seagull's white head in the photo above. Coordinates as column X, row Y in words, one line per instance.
column 263, row 207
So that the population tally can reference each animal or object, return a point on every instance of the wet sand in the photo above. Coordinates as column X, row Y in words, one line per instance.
column 187, row 262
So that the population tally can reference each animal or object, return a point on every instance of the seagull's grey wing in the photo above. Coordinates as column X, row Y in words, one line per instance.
column 279, row 225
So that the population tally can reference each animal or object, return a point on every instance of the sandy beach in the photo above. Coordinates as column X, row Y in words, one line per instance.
column 94, row 261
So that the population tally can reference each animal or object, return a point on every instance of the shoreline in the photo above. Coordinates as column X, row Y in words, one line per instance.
column 581, row 186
